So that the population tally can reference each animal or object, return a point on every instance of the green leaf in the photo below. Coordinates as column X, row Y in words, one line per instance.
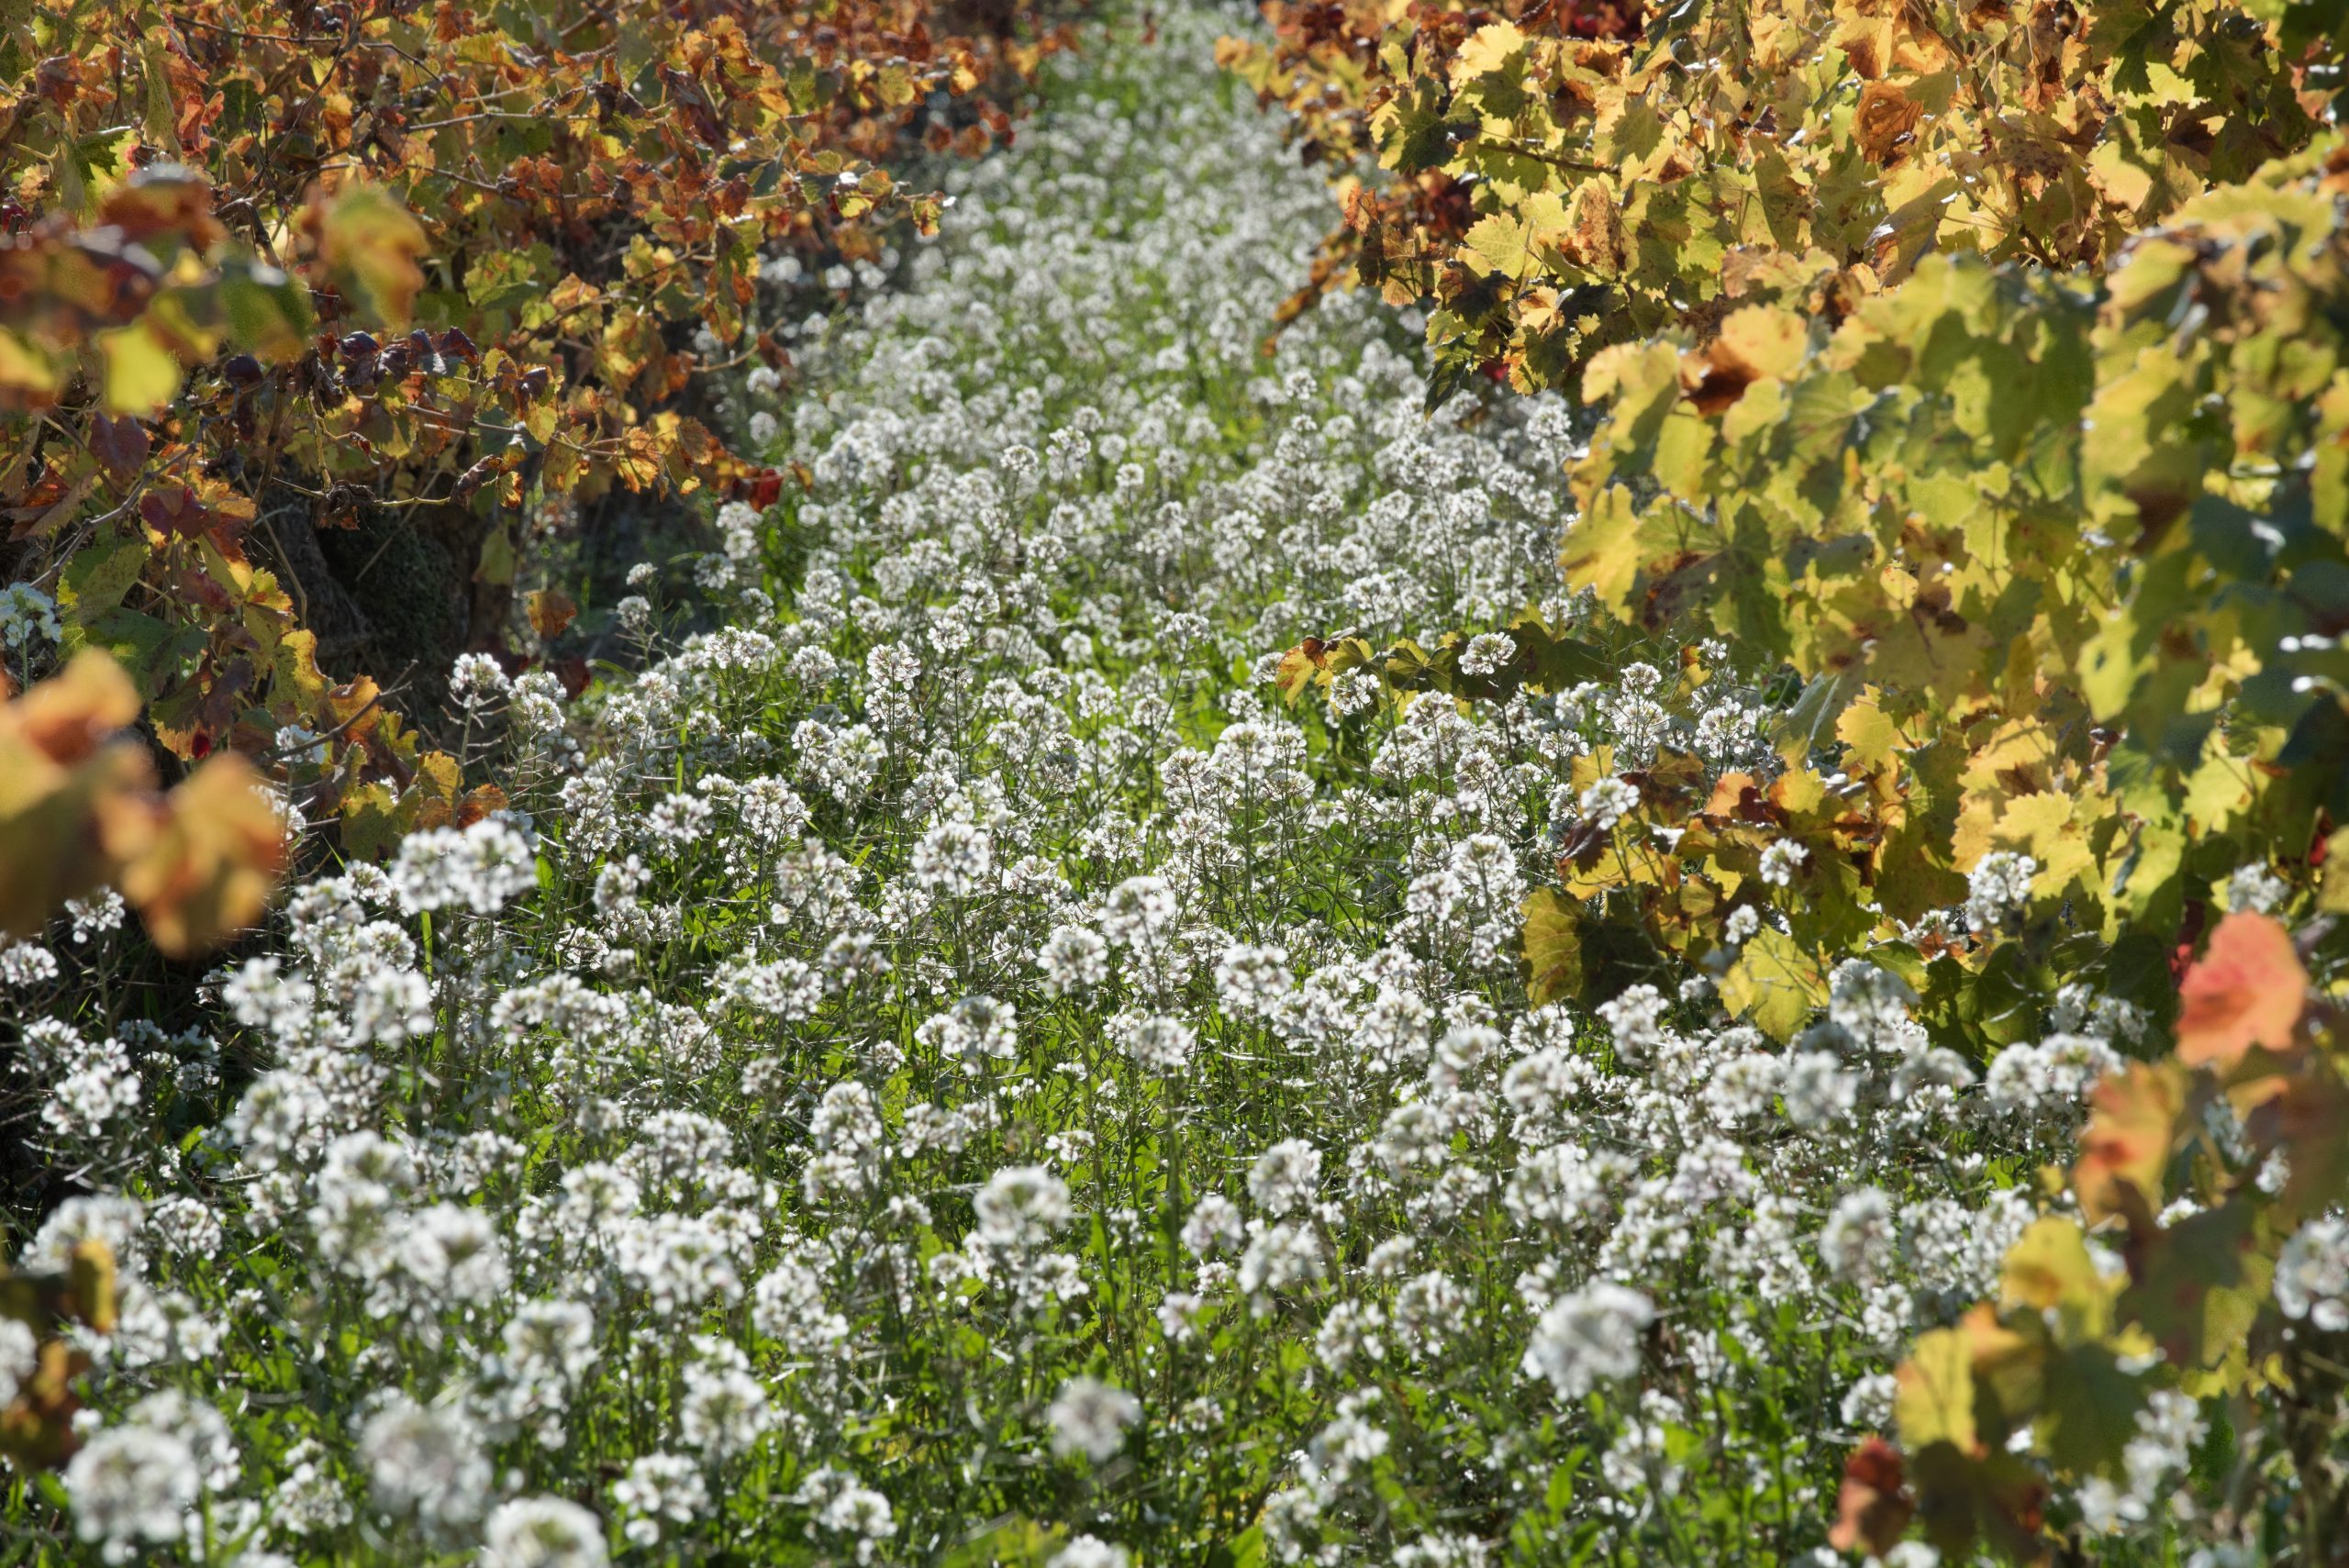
column 1774, row 984
column 99, row 574
column 1014, row 1541
column 1934, row 1397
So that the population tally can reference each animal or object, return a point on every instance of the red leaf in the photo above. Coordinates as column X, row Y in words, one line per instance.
column 174, row 511
column 121, row 444
column 573, row 673
column 1874, row 1507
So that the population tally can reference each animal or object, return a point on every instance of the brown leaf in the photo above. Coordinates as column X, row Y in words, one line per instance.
column 180, row 512
column 51, row 509
column 120, row 444
column 1594, row 241
column 574, row 673
column 1884, row 121
column 551, row 610
column 167, row 199
column 478, row 803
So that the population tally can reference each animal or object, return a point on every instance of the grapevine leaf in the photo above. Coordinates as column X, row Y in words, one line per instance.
column 2248, row 989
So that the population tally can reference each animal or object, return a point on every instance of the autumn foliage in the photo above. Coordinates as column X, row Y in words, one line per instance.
column 272, row 269
column 1850, row 286
column 1982, row 364
column 61, row 1310
column 81, row 810
column 2048, row 1380
column 1985, row 366
column 1561, row 176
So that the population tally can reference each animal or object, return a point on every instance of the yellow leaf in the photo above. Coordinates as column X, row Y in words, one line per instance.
column 2049, row 1269
column 1487, row 50
column 1767, row 340
column 1553, row 948
column 1602, row 547
column 438, row 777
column 1932, row 1397
column 1300, row 667
column 1774, row 984
column 1496, row 244
column 1870, row 736
column 26, row 378
column 2044, row 826
column 142, row 376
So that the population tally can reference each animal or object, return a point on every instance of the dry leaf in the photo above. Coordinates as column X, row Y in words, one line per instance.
column 550, row 609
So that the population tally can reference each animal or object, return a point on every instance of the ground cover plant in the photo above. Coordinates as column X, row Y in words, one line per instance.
column 1173, row 950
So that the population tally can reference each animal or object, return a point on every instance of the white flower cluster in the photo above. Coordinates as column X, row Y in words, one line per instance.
column 944, row 1051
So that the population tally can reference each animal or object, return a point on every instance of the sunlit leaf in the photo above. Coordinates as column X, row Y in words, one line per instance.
column 2136, row 1117
column 215, row 854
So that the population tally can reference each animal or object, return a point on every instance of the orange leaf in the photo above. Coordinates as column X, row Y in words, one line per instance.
column 478, row 803
column 74, row 797
column 216, row 855
column 2248, row 989
column 1730, row 792
column 69, row 716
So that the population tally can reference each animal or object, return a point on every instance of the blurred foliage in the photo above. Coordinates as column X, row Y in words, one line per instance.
column 2048, row 1381
column 79, row 811
column 37, row 1423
